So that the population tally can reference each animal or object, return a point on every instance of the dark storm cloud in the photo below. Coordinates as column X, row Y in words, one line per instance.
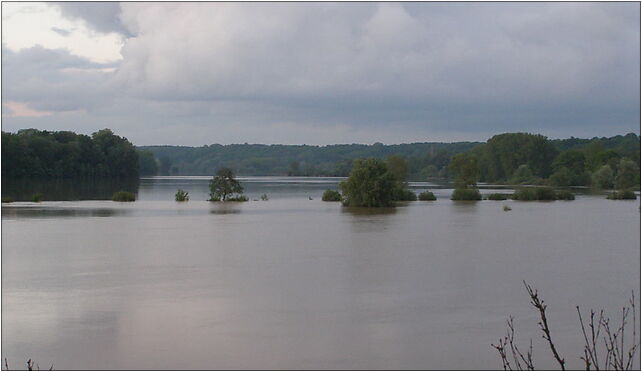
column 100, row 16
column 351, row 72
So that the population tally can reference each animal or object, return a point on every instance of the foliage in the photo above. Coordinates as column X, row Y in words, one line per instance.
column 181, row 195
column 564, row 195
column 264, row 197
column 427, row 196
column 497, row 196
column 37, row 197
column 423, row 159
column 331, row 195
column 622, row 195
column 603, row 178
column 44, row 154
column 224, row 185
column 147, row 163
column 370, row 184
column 7, row 199
column 507, row 208
column 238, row 198
column 535, row 193
column 123, row 196
column 628, row 174
column 503, row 154
column 404, row 195
column 465, row 170
column 522, row 175
column 466, row 194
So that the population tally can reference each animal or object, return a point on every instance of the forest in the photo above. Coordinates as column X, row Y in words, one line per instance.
column 509, row 158
column 32, row 153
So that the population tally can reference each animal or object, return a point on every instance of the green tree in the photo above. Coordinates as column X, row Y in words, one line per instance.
column 522, row 174
column 603, row 178
column 370, row 184
column 465, row 169
column 147, row 163
column 562, row 177
column 224, row 185
column 628, row 174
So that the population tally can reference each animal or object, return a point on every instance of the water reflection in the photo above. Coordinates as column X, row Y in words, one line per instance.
column 225, row 208
column 49, row 212
column 67, row 189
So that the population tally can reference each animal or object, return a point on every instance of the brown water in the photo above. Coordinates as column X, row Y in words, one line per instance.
column 293, row 283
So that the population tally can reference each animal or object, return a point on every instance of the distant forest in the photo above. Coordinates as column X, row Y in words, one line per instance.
column 504, row 158
column 516, row 158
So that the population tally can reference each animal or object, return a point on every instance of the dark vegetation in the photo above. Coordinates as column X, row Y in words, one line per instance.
column 44, row 154
column 123, row 196
column 622, row 195
column 534, row 193
column 541, row 193
column 466, row 194
column 31, row 365
column 224, row 187
column 427, row 196
column 331, row 195
column 424, row 159
column 7, row 199
column 181, row 195
column 616, row 350
column 510, row 158
column 376, row 183
column 497, row 196
column 37, row 197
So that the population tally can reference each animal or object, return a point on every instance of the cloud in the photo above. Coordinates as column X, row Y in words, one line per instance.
column 19, row 109
column 100, row 16
column 61, row 31
column 344, row 72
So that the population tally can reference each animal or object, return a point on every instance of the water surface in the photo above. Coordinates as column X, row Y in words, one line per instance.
column 294, row 283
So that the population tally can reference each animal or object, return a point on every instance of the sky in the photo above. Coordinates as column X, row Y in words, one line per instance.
column 321, row 73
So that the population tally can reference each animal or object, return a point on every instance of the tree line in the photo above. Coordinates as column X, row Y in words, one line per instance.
column 63, row 154
column 428, row 159
column 522, row 158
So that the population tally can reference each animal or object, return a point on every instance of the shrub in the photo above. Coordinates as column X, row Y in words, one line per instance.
column 37, row 197
column 466, row 194
column 524, row 194
column 622, row 195
column 331, row 195
column 545, row 193
column 535, row 193
column 370, row 185
column 497, row 196
column 603, row 178
column 427, row 196
column 507, row 208
column 123, row 196
column 239, row 198
column 404, row 195
column 7, row 199
column 264, row 197
column 565, row 195
column 181, row 195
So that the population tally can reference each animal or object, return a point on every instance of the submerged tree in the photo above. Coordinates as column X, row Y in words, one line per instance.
column 224, row 185
column 370, row 184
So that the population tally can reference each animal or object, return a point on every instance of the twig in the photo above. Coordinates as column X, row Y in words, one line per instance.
column 539, row 305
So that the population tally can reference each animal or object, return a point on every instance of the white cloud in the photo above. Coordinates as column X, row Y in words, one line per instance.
column 25, row 25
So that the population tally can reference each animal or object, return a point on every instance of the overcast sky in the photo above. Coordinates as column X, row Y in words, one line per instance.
column 321, row 73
